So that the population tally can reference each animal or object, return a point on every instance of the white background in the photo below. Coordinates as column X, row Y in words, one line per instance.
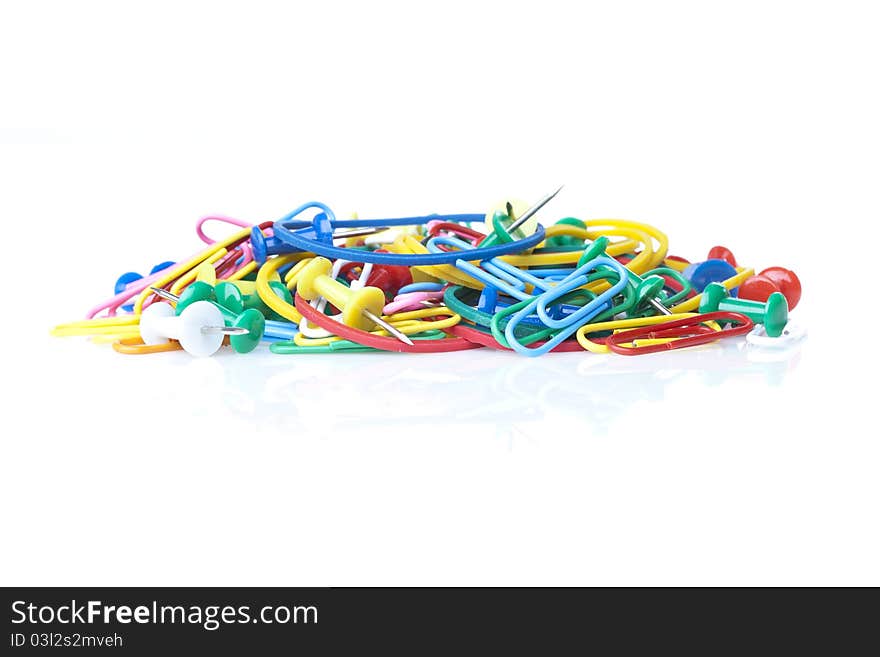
column 750, row 124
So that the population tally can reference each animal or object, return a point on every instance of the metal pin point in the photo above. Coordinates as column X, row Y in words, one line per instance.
column 164, row 294
column 225, row 330
column 385, row 325
column 531, row 211
column 659, row 307
column 358, row 232
column 206, row 330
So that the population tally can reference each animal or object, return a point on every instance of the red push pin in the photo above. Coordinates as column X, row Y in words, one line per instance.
column 722, row 253
column 388, row 278
column 772, row 279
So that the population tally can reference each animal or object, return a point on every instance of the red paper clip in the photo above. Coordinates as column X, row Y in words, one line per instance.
column 469, row 234
column 688, row 332
column 378, row 341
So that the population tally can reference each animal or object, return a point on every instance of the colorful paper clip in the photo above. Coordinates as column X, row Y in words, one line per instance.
column 311, row 283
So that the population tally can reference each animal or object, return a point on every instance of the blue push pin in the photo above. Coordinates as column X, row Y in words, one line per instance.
column 714, row 270
column 264, row 247
column 130, row 277
column 321, row 230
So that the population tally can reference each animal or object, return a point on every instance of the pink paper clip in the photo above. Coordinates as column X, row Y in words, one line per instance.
column 410, row 301
column 114, row 303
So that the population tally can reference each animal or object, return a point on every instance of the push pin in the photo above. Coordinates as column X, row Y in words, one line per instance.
column 772, row 279
column 264, row 247
column 245, row 330
column 567, row 241
column 130, row 277
column 360, row 308
column 238, row 298
column 195, row 291
column 721, row 253
column 791, row 335
column 647, row 289
column 495, row 236
column 199, row 328
column 717, row 267
column 773, row 313
column 389, row 278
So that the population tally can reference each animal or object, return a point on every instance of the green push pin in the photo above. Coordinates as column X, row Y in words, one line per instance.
column 195, row 291
column 281, row 291
column 252, row 320
column 773, row 313
column 596, row 249
column 652, row 286
column 564, row 241
column 503, row 230
column 647, row 289
column 233, row 298
column 250, row 323
column 501, row 233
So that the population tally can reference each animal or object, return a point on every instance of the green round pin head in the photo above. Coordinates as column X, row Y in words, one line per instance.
column 500, row 221
column 255, row 323
column 713, row 294
column 230, row 297
column 649, row 288
column 572, row 221
column 195, row 291
column 595, row 249
column 567, row 240
column 776, row 315
column 281, row 290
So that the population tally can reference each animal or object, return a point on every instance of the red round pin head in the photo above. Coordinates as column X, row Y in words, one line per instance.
column 721, row 253
column 770, row 280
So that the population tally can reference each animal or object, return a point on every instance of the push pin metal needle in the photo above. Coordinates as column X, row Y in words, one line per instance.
column 659, row 307
column 528, row 214
column 357, row 232
column 164, row 294
column 385, row 325
column 648, row 288
column 492, row 238
column 225, row 330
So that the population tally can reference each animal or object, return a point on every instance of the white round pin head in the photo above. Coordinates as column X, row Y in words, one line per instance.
column 193, row 320
column 791, row 334
column 152, row 322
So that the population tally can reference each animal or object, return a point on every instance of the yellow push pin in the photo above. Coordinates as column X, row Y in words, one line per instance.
column 360, row 308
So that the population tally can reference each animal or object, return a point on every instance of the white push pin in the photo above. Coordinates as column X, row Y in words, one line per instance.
column 791, row 334
column 199, row 328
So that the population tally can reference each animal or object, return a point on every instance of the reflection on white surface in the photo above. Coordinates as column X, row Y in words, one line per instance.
column 340, row 468
column 484, row 390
